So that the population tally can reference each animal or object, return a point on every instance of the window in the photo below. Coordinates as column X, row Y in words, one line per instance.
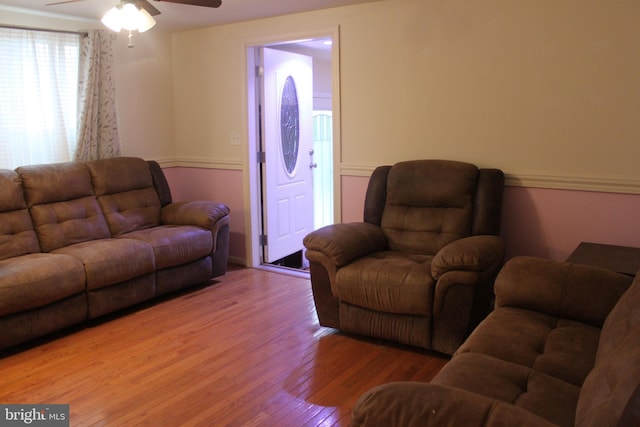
column 38, row 96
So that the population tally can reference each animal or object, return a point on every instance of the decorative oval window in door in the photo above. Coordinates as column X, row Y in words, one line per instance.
column 289, row 124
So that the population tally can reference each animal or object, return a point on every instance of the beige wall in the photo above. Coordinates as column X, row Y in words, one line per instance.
column 145, row 96
column 548, row 91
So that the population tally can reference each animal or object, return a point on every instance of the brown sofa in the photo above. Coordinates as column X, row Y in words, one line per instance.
column 562, row 348
column 80, row 240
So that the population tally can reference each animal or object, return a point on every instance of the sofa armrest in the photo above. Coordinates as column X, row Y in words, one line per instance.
column 413, row 404
column 203, row 214
column 342, row 243
column 206, row 214
column 474, row 253
column 570, row 291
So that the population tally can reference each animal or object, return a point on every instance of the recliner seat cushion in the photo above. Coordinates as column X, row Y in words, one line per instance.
column 35, row 280
column 388, row 282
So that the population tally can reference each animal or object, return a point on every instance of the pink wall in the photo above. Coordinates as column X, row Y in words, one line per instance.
column 219, row 185
column 551, row 223
column 353, row 192
column 540, row 222
column 543, row 222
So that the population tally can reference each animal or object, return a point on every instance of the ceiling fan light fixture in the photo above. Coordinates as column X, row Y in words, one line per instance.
column 126, row 15
column 146, row 21
column 112, row 19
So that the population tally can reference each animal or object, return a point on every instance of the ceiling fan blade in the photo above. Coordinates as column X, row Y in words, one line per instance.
column 62, row 2
column 144, row 4
column 204, row 3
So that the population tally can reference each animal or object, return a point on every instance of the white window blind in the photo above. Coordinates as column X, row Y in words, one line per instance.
column 38, row 96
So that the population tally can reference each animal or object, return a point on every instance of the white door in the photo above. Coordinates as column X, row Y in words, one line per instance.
column 288, row 134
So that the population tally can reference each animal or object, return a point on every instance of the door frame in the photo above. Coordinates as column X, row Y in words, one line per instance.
column 252, row 185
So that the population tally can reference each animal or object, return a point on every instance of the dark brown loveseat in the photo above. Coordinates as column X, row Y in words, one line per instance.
column 562, row 348
column 80, row 240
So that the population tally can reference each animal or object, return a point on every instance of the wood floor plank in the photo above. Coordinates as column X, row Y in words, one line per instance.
column 243, row 351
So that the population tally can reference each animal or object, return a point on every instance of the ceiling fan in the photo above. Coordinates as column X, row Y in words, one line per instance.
column 144, row 4
column 138, row 14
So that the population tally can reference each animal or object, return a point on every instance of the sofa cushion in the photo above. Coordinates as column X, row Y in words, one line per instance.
column 69, row 222
column 414, row 404
column 616, row 376
column 547, row 396
column 62, row 204
column 17, row 236
column 125, row 191
column 36, row 280
column 56, row 182
column 111, row 261
column 423, row 218
column 388, row 282
column 560, row 289
column 175, row 244
column 561, row 348
column 622, row 323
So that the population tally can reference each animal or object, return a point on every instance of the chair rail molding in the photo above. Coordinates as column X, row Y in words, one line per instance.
column 560, row 182
column 200, row 162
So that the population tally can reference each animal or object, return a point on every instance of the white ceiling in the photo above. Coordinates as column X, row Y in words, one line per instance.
column 177, row 17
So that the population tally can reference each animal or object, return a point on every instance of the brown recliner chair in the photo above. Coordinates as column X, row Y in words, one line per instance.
column 420, row 269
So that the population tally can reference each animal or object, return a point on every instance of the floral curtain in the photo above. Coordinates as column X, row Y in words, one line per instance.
column 97, row 119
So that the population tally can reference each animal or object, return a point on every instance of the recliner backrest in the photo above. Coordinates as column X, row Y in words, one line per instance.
column 422, row 205
column 429, row 204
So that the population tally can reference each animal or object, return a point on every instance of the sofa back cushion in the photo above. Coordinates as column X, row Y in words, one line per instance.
column 429, row 203
column 63, row 207
column 125, row 192
column 17, row 236
column 609, row 395
column 560, row 289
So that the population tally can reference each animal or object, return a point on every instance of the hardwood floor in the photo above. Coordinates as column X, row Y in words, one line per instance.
column 244, row 351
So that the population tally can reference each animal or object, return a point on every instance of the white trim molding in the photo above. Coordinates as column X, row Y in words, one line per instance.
column 202, row 163
column 581, row 183
column 352, row 169
column 559, row 182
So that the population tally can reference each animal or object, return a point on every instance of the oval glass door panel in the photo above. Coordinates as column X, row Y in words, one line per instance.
column 289, row 125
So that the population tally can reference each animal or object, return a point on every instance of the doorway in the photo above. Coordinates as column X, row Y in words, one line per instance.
column 276, row 218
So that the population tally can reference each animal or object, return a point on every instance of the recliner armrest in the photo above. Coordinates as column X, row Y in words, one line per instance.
column 414, row 404
column 474, row 253
column 342, row 243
